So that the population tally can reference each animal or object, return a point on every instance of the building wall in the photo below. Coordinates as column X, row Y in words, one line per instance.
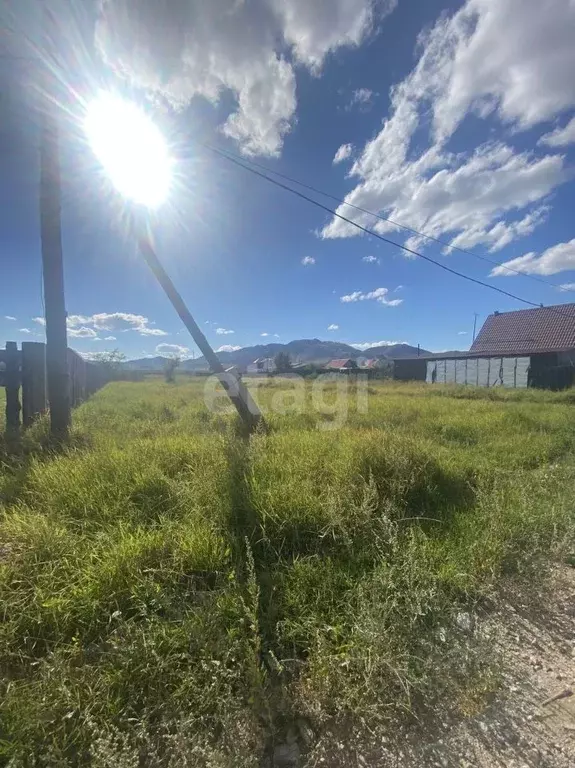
column 409, row 370
column 482, row 371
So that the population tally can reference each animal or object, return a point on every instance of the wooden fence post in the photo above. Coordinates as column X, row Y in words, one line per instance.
column 34, row 402
column 12, row 385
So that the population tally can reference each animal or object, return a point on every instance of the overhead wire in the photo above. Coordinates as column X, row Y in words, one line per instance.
column 367, row 231
column 379, row 216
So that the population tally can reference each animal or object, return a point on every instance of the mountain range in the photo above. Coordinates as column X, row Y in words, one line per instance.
column 300, row 351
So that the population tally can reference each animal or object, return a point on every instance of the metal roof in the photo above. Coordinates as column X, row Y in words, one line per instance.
column 527, row 331
column 341, row 363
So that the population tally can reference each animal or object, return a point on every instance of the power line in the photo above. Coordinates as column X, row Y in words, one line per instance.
column 380, row 237
column 390, row 221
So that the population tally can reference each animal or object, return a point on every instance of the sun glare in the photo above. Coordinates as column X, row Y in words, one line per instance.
column 131, row 149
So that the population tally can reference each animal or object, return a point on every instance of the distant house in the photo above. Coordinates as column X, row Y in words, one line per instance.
column 528, row 347
column 345, row 364
column 262, row 365
column 371, row 363
column 529, row 331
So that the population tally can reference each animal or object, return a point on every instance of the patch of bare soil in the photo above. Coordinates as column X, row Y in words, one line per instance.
column 530, row 721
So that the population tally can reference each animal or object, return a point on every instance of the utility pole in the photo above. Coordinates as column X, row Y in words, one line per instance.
column 52, row 264
column 475, row 316
column 234, row 386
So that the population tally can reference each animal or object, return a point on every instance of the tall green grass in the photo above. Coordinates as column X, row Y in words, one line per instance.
column 174, row 594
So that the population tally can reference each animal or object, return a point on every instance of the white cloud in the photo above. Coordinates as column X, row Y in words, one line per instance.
column 343, row 153
column 370, row 259
column 558, row 258
column 363, row 345
column 83, row 332
column 120, row 322
column 567, row 287
column 560, row 137
column 508, row 59
column 227, row 348
column 514, row 57
column 223, row 331
column 151, row 331
column 94, row 356
column 24, row 330
column 9, row 317
column 73, row 321
column 104, row 321
column 308, row 261
column 211, row 49
column 379, row 295
column 276, row 335
column 172, row 349
column 264, row 334
column 462, row 333
column 361, row 97
column 333, row 327
column 109, row 338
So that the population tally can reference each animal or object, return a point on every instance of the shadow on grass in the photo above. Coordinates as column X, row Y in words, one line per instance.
column 18, row 450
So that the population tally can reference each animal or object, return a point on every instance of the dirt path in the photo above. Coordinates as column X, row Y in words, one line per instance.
column 531, row 721
column 535, row 637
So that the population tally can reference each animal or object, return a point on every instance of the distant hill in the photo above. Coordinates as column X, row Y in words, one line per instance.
column 145, row 364
column 300, row 350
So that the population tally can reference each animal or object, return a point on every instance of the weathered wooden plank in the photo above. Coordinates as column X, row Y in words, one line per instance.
column 34, row 398
column 12, row 385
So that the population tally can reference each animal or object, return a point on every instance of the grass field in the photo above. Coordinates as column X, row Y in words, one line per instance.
column 174, row 594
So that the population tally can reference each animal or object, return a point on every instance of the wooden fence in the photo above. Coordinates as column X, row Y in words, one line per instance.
column 23, row 374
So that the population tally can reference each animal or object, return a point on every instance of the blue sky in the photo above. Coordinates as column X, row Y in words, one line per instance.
column 455, row 119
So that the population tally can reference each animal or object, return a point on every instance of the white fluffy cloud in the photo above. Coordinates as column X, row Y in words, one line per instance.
column 558, row 258
column 223, row 331
column 227, row 348
column 307, row 261
column 172, row 349
column 509, row 59
column 9, row 317
column 560, row 137
column 370, row 259
column 363, row 345
column 109, row 338
column 264, row 334
column 24, row 330
column 567, row 287
column 83, row 332
column 243, row 48
column 333, row 327
column 343, row 153
column 88, row 326
column 145, row 331
column 379, row 294
column 118, row 321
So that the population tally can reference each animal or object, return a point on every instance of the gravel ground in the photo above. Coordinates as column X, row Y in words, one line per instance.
column 530, row 722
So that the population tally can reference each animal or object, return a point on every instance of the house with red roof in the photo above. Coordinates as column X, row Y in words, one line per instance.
column 343, row 364
column 528, row 347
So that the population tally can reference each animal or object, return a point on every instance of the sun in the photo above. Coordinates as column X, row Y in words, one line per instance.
column 131, row 149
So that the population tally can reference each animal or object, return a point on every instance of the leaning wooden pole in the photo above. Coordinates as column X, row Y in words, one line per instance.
column 236, row 389
column 52, row 263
